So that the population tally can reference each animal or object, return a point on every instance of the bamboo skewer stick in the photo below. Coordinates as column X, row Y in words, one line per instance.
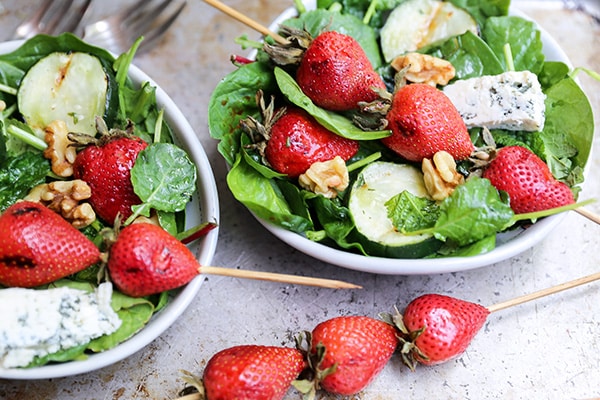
column 544, row 292
column 589, row 215
column 275, row 277
column 247, row 21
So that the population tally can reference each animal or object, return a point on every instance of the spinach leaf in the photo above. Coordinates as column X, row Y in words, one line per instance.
column 234, row 98
column 475, row 210
column 19, row 174
column 262, row 196
column 523, row 38
column 334, row 122
column 470, row 55
column 164, row 178
column 569, row 126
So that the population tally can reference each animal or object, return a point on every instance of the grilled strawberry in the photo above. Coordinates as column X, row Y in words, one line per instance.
column 336, row 74
column 527, row 180
column 439, row 328
column 106, row 167
column 348, row 352
column 297, row 141
column 424, row 121
column 252, row 372
column 145, row 259
column 37, row 246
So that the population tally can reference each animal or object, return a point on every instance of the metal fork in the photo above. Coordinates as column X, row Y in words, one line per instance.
column 143, row 18
column 53, row 17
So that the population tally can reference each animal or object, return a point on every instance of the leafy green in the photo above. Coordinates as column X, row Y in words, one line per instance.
column 19, row 174
column 164, row 178
column 409, row 212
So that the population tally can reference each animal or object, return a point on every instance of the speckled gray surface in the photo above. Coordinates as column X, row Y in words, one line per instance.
column 547, row 349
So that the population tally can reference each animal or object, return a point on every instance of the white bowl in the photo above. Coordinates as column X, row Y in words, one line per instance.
column 204, row 207
column 509, row 244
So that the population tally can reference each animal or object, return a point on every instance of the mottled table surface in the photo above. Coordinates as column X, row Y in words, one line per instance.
column 547, row 349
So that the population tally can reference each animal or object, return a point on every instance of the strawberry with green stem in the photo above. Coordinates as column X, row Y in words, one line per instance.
column 436, row 328
column 333, row 69
column 347, row 353
column 250, row 372
column 291, row 140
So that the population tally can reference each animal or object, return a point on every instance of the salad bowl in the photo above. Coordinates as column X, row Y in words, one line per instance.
column 203, row 207
column 509, row 244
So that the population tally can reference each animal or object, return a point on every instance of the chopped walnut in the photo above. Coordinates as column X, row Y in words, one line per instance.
column 153, row 219
column 326, row 178
column 423, row 68
column 59, row 151
column 65, row 198
column 440, row 175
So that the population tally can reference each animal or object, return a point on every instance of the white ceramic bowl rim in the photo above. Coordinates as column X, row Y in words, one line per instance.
column 204, row 208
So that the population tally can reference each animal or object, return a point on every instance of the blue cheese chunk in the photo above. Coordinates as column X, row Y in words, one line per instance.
column 40, row 322
column 513, row 100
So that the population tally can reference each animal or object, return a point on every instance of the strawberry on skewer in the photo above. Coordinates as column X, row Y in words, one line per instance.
column 437, row 328
column 145, row 259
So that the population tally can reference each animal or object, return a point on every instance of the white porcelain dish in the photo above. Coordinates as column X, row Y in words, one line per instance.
column 509, row 244
column 204, row 207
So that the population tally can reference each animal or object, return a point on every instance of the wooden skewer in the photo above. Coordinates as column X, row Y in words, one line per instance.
column 274, row 277
column 544, row 292
column 589, row 215
column 247, row 21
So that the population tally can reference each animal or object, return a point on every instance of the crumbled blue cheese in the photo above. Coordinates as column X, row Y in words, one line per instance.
column 513, row 100
column 40, row 322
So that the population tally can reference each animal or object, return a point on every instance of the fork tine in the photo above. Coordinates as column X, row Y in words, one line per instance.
column 29, row 27
column 152, row 36
column 144, row 18
column 74, row 21
column 55, row 15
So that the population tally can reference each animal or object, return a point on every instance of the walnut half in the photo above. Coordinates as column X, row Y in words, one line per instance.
column 440, row 175
column 326, row 178
column 66, row 198
column 59, row 152
column 423, row 68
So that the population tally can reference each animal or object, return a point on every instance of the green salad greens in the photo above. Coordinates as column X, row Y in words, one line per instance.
column 164, row 178
column 470, row 219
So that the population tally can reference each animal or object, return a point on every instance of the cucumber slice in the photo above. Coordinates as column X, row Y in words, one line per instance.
column 418, row 23
column 374, row 186
column 71, row 87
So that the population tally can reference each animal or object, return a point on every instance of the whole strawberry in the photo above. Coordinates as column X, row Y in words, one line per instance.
column 336, row 74
column 439, row 328
column 38, row 246
column 252, row 372
column 348, row 352
column 297, row 141
column 527, row 180
column 424, row 121
column 145, row 259
column 106, row 167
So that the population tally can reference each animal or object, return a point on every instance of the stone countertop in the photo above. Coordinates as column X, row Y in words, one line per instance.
column 547, row 349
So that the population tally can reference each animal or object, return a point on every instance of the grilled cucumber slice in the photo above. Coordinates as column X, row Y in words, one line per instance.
column 374, row 186
column 71, row 87
column 417, row 23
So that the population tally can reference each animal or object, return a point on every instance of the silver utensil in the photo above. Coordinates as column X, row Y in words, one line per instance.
column 145, row 18
column 53, row 17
